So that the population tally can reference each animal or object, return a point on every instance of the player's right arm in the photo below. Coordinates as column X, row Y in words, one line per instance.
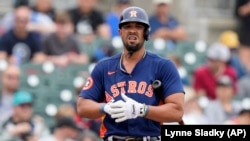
column 90, row 99
column 88, row 108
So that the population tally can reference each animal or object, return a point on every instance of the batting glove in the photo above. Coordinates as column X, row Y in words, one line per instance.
column 106, row 108
column 130, row 109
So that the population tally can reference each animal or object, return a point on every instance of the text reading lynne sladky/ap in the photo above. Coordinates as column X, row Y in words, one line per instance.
column 219, row 132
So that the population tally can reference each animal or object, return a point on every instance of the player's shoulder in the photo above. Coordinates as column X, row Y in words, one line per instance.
column 109, row 60
column 157, row 58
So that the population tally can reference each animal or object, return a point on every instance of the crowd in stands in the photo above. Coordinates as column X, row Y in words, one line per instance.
column 216, row 93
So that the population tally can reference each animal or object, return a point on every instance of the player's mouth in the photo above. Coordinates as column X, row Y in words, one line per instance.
column 132, row 38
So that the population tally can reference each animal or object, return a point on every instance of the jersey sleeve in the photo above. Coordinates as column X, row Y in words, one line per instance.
column 93, row 88
column 171, row 81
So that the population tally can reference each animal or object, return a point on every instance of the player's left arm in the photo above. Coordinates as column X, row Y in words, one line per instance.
column 172, row 93
column 171, row 111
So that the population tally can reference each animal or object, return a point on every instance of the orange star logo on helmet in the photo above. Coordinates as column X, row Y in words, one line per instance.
column 133, row 13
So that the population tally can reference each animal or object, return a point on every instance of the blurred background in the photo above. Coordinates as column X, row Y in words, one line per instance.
column 49, row 47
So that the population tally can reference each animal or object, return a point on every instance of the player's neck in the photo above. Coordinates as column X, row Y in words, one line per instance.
column 130, row 60
column 135, row 57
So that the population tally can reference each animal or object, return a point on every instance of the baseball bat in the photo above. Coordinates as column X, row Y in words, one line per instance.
column 156, row 85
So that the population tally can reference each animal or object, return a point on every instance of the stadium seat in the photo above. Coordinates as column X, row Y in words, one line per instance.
column 193, row 54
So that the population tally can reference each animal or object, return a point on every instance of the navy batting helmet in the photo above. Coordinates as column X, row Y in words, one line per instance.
column 135, row 14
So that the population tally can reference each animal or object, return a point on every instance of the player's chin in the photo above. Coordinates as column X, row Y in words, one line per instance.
column 133, row 42
column 133, row 46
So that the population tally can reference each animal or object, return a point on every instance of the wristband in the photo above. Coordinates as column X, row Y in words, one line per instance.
column 146, row 109
column 102, row 109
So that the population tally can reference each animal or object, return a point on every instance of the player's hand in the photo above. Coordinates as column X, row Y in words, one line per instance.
column 130, row 109
column 111, row 107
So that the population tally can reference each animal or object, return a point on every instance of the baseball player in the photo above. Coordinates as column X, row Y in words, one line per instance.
column 120, row 90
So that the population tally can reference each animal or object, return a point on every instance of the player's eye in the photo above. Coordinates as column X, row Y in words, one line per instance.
column 139, row 26
column 127, row 26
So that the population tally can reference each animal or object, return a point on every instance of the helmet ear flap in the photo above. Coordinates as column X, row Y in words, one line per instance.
column 121, row 19
column 146, row 34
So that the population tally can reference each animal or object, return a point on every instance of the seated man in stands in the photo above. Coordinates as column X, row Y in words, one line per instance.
column 10, row 81
column 20, row 45
column 163, row 25
column 62, row 47
column 65, row 129
column 45, row 7
column 21, row 126
column 86, row 17
column 224, row 107
column 204, row 78
column 37, row 22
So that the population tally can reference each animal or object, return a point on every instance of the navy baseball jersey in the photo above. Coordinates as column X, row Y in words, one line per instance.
column 109, row 79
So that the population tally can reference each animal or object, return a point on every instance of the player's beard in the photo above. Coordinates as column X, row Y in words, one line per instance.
column 133, row 48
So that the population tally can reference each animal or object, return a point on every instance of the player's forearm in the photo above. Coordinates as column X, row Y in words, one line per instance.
column 88, row 109
column 165, row 113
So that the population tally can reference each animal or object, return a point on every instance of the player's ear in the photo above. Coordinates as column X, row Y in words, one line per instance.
column 120, row 32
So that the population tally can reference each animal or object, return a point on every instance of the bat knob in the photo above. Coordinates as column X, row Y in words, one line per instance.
column 156, row 84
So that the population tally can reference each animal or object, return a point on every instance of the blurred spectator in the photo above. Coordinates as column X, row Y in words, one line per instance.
column 65, row 110
column 243, row 118
column 230, row 39
column 20, row 45
column 65, row 130
column 37, row 21
column 86, row 36
column 164, row 25
column 62, row 47
column 10, row 80
column 45, row 7
column 194, row 112
column 89, row 135
column 22, row 126
column 243, row 85
column 89, row 20
column 223, row 107
column 242, row 11
column 204, row 78
column 113, row 17
column 102, row 52
column 89, row 44
column 20, row 2
column 182, row 71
